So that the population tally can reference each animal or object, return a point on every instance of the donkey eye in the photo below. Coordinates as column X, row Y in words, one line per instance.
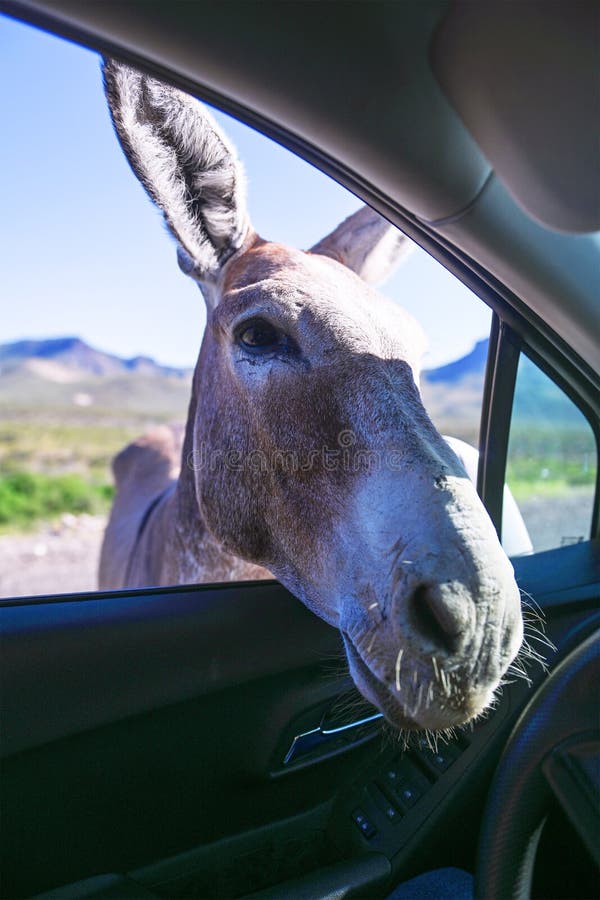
column 259, row 335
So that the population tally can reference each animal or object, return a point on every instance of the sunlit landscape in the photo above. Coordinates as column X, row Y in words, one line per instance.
column 68, row 408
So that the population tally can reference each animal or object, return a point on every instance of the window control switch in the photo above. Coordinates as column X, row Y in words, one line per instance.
column 437, row 761
column 408, row 794
column 390, row 810
column 397, row 772
column 363, row 823
column 409, row 791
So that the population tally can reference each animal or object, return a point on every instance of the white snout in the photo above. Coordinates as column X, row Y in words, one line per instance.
column 446, row 621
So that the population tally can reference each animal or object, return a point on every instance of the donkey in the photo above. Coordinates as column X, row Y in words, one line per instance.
column 307, row 451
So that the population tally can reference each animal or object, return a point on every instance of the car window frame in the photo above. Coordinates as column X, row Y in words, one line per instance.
column 506, row 348
column 514, row 325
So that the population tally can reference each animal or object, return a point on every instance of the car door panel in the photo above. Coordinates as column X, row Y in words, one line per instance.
column 104, row 656
column 137, row 726
column 143, row 725
column 145, row 733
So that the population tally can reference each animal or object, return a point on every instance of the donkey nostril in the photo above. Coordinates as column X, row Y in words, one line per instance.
column 435, row 618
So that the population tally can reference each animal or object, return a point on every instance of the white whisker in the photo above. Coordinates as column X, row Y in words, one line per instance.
column 398, row 664
column 445, row 683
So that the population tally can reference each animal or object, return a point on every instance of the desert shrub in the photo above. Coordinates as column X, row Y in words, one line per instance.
column 27, row 497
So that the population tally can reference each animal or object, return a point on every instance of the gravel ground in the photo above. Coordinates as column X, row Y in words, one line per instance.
column 557, row 521
column 63, row 558
column 55, row 559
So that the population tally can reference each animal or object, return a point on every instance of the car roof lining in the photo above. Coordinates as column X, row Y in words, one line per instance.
column 536, row 100
column 380, row 123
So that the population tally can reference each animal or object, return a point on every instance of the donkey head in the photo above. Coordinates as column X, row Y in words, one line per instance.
column 311, row 452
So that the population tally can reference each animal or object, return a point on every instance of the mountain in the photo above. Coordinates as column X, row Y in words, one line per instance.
column 70, row 358
column 471, row 365
column 63, row 378
column 66, row 374
column 452, row 393
column 66, row 379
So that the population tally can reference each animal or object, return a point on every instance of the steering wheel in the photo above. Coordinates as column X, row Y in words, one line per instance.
column 552, row 753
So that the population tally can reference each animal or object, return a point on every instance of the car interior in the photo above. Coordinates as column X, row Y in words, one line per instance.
column 207, row 740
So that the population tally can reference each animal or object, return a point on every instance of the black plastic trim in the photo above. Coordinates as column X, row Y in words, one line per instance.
column 500, row 377
column 118, row 651
column 95, row 644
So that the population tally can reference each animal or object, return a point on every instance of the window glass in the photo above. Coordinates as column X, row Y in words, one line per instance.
column 552, row 461
column 100, row 331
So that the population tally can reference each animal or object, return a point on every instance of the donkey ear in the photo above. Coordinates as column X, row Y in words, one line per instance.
column 186, row 164
column 367, row 244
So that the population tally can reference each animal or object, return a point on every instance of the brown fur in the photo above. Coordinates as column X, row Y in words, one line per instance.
column 310, row 455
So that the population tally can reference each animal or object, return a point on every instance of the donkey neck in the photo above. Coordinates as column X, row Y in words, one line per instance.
column 197, row 556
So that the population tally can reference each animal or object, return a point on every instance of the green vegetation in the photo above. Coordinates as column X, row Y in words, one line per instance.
column 59, row 447
column 50, row 468
column 66, row 409
column 26, row 497
column 58, row 437
column 550, row 461
column 552, row 450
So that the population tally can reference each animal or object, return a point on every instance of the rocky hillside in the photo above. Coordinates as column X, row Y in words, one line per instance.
column 452, row 393
column 70, row 358
column 67, row 375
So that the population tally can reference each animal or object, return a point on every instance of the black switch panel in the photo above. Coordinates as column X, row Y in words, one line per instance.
column 363, row 823
column 437, row 761
column 389, row 809
column 403, row 783
column 411, row 790
column 398, row 771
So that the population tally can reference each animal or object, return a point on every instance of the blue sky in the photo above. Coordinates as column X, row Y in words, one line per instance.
column 84, row 252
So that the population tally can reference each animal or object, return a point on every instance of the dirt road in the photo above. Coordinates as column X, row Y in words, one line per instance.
column 63, row 558
column 56, row 559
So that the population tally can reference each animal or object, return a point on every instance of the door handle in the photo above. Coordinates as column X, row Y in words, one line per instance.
column 328, row 738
